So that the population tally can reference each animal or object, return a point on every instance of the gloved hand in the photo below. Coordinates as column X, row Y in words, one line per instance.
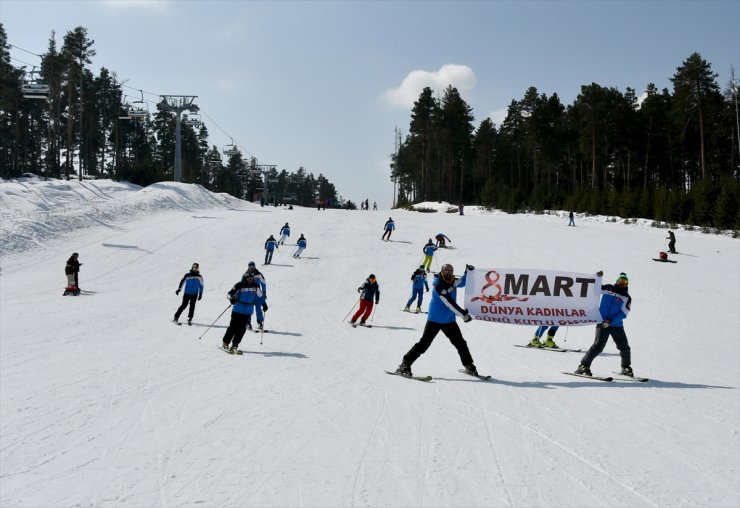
column 200, row 296
column 233, row 299
column 377, row 301
column 177, row 292
column 264, row 307
column 605, row 323
column 427, row 290
column 359, row 290
column 600, row 273
column 469, row 267
column 467, row 317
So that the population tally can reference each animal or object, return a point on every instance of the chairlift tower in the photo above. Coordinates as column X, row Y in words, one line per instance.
column 263, row 170
column 177, row 104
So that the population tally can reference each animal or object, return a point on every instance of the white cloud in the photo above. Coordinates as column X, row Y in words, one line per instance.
column 498, row 116
column 641, row 98
column 159, row 5
column 461, row 77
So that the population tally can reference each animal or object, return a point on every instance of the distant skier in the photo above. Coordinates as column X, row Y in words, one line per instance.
column 571, row 219
column 388, row 228
column 418, row 283
column 461, row 209
column 193, row 290
column 284, row 234
column 368, row 291
column 428, row 251
column 549, row 342
column 261, row 306
column 301, row 243
column 72, row 271
column 442, row 240
column 671, row 242
column 442, row 311
column 614, row 307
column 270, row 245
column 243, row 297
column 375, row 205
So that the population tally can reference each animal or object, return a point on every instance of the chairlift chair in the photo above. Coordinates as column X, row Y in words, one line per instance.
column 231, row 149
column 192, row 120
column 138, row 109
column 35, row 89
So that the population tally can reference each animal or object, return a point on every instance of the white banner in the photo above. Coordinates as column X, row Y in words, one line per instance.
column 531, row 297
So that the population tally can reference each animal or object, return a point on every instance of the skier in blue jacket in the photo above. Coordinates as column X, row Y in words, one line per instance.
column 429, row 249
column 243, row 297
column 418, row 283
column 614, row 307
column 388, row 229
column 442, row 312
column 301, row 243
column 261, row 306
column 193, row 290
column 284, row 234
column 270, row 245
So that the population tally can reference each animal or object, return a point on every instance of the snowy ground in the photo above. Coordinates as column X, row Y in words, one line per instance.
column 104, row 402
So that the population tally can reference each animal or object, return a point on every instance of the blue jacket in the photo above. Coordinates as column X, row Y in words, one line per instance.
column 429, row 249
column 390, row 225
column 193, row 283
column 285, row 231
column 419, row 278
column 259, row 278
column 615, row 304
column 369, row 291
column 443, row 307
column 247, row 296
column 302, row 243
column 270, row 244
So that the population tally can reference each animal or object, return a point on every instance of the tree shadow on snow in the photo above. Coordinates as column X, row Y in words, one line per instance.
column 652, row 383
column 126, row 247
column 493, row 381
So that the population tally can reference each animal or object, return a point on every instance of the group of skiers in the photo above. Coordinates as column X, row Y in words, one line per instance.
column 271, row 244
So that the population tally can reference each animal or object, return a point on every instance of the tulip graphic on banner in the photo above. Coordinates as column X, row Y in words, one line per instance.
column 533, row 297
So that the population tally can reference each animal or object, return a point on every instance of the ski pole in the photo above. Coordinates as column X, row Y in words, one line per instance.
column 214, row 322
column 350, row 310
column 372, row 317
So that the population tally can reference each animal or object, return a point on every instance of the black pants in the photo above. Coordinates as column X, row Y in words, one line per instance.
column 237, row 328
column 602, row 336
column 451, row 330
column 187, row 300
column 672, row 246
column 268, row 257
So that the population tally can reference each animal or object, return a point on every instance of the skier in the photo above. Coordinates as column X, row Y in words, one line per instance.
column 571, row 219
column 368, row 291
column 671, row 242
column 388, row 228
column 270, row 245
column 261, row 306
column 243, row 297
column 428, row 251
column 461, row 209
column 72, row 271
column 614, row 307
column 442, row 311
column 284, row 234
column 375, row 205
column 441, row 240
column 193, row 282
column 301, row 243
column 535, row 342
column 418, row 282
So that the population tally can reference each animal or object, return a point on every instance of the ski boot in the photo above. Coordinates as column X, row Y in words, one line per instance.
column 225, row 346
column 175, row 320
column 583, row 370
column 404, row 370
column 550, row 343
column 406, row 309
column 418, row 309
column 627, row 371
column 232, row 350
column 249, row 327
column 470, row 369
column 535, row 342
column 190, row 322
column 260, row 326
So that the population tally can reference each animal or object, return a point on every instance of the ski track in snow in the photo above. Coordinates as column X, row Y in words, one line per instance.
column 124, row 409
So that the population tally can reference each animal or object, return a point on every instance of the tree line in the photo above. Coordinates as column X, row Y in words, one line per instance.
column 84, row 129
column 672, row 157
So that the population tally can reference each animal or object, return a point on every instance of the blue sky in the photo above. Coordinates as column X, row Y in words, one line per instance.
column 323, row 84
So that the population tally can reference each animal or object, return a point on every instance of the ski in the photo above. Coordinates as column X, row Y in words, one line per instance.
column 414, row 312
column 596, row 378
column 177, row 322
column 257, row 330
column 482, row 378
column 665, row 260
column 229, row 351
column 426, row 379
column 355, row 325
column 556, row 349
column 621, row 377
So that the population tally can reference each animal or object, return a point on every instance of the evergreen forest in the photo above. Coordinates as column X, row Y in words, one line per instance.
column 673, row 157
column 82, row 125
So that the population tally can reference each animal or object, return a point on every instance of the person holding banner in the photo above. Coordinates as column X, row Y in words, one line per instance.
column 442, row 312
column 549, row 342
column 614, row 307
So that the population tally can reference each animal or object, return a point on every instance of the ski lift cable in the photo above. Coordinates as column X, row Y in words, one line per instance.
column 224, row 131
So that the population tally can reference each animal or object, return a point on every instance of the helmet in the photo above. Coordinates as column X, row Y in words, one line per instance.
column 447, row 272
column 663, row 256
column 195, row 267
column 371, row 276
column 251, row 264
